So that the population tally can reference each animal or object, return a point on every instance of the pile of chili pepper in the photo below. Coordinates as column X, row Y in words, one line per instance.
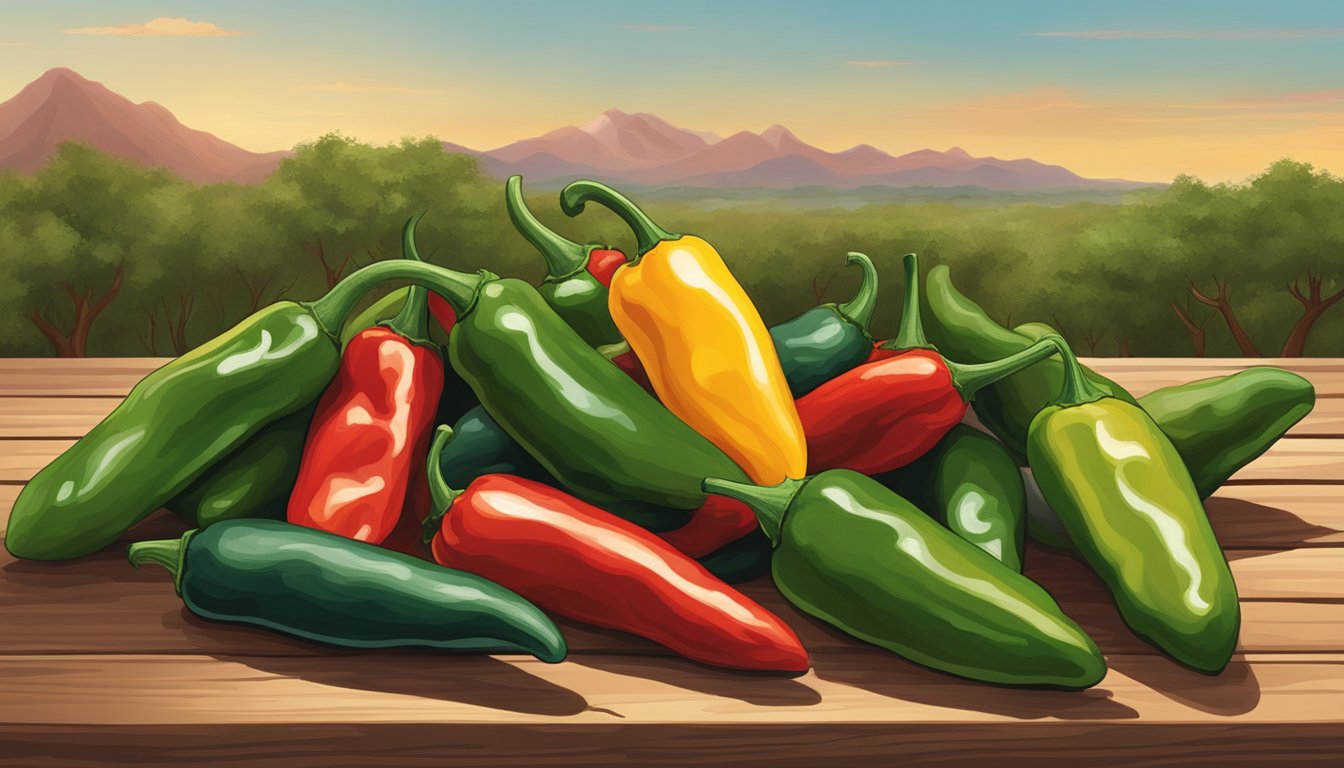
column 473, row 457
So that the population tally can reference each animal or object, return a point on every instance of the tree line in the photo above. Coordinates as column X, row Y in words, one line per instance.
column 101, row 257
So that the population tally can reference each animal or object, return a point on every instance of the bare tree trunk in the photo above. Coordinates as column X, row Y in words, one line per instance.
column 1224, row 307
column 1197, row 332
column 177, row 331
column 1124, row 347
column 150, row 340
column 75, row 343
column 1093, row 339
column 1313, row 306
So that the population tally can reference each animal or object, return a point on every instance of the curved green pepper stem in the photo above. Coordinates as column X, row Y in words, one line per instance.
column 441, row 495
column 412, row 322
column 911, row 333
column 647, row 234
column 457, row 288
column 563, row 257
column 769, row 502
column 388, row 305
column 1077, row 389
column 970, row 378
column 170, row 553
column 859, row 310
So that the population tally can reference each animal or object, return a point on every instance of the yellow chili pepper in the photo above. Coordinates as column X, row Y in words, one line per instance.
column 703, row 343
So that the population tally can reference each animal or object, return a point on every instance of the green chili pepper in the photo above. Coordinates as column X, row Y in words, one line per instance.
column 593, row 428
column 184, row 417
column 962, row 331
column 1218, row 425
column 829, row 339
column 971, row 484
column 570, row 287
column 253, row 481
column 743, row 560
column 865, row 560
column 1222, row 423
column 320, row 586
column 1126, row 500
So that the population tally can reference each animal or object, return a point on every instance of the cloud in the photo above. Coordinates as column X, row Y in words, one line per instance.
column 878, row 63
column 340, row 86
column 656, row 27
column 163, row 26
column 1175, row 34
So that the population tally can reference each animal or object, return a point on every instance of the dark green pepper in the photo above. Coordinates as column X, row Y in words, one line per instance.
column 829, row 339
column 963, row 332
column 184, row 417
column 253, row 481
column 743, row 560
column 971, row 484
column 603, row 437
column 865, row 560
column 1127, row 501
column 573, row 285
column 320, row 586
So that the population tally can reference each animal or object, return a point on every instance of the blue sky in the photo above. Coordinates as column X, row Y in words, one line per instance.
column 1139, row 90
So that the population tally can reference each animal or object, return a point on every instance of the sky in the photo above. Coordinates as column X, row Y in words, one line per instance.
column 1137, row 90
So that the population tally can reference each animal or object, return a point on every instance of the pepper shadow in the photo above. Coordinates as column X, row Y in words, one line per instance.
column 1234, row 691
column 763, row 689
column 890, row 676
column 1274, row 528
column 478, row 681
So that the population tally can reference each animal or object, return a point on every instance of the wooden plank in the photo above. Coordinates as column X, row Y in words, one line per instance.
column 85, row 377
column 102, row 690
column 1277, row 516
column 1306, row 460
column 113, row 377
column 45, row 608
column 72, row 417
column 1026, row 744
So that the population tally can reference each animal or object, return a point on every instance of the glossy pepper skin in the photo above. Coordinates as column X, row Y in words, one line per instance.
column 323, row 587
column 829, row 339
column 587, row 423
column 715, row 533
column 184, row 417
column 971, row 484
column 861, row 558
column 253, row 481
column 1126, row 500
column 1218, row 425
column 372, row 427
column 577, row 276
column 883, row 415
column 963, row 331
column 457, row 397
column 702, row 342
column 577, row 561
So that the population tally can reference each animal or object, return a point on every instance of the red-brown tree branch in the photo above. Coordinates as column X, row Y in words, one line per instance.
column 1313, row 306
column 1223, row 304
column 1198, row 335
column 75, row 342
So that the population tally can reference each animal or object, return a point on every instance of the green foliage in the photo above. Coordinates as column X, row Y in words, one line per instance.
column 1105, row 271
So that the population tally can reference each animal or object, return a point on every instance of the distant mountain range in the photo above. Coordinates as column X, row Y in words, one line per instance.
column 616, row 146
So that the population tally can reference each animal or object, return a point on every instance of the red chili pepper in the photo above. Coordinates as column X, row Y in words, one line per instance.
column 443, row 312
column 888, row 412
column 577, row 561
column 717, row 523
column 603, row 263
column 371, row 428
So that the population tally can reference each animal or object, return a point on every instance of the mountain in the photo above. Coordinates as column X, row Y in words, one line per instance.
column 62, row 106
column 615, row 146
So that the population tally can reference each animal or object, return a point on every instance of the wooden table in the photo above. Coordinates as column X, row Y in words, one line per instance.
column 100, row 662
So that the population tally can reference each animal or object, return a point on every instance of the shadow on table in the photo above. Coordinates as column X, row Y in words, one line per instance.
column 895, row 678
column 1235, row 691
column 758, row 689
column 1275, row 527
column 479, row 681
